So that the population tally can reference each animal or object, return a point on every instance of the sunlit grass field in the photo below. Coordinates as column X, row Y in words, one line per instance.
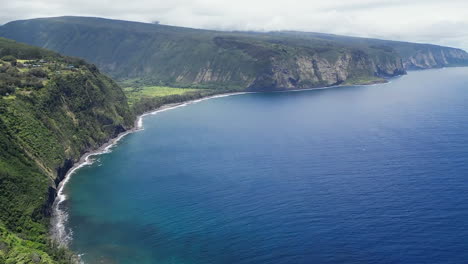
column 135, row 94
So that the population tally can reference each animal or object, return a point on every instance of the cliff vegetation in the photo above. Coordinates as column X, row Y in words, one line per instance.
column 52, row 110
column 160, row 55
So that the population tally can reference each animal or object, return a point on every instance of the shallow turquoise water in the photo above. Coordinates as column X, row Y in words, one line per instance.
column 366, row 174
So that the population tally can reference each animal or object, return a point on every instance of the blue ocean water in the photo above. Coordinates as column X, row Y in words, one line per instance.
column 364, row 174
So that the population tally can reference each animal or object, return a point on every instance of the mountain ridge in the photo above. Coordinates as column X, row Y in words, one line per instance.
column 153, row 54
column 412, row 53
column 97, row 18
column 160, row 54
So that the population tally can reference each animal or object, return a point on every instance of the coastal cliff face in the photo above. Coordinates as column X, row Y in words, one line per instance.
column 415, row 56
column 150, row 54
column 53, row 109
column 436, row 57
column 313, row 70
column 183, row 57
column 282, row 66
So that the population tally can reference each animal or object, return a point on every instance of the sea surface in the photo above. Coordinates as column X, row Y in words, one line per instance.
column 363, row 174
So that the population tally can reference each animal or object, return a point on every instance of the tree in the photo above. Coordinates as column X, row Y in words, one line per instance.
column 40, row 73
column 6, row 89
column 8, row 58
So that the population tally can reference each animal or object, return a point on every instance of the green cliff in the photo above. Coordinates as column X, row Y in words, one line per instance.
column 182, row 57
column 53, row 109
column 154, row 54
column 414, row 56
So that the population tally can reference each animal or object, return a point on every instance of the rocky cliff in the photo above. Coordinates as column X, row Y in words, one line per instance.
column 283, row 66
column 312, row 70
column 183, row 57
column 165, row 55
column 414, row 55
column 435, row 57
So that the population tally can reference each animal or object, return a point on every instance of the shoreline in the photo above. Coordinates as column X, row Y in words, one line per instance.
column 59, row 232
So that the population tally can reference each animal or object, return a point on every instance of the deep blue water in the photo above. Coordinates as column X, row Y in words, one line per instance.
column 366, row 174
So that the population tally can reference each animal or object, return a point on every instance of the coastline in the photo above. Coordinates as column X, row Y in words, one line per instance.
column 59, row 232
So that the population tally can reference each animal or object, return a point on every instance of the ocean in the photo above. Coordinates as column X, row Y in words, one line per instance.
column 360, row 174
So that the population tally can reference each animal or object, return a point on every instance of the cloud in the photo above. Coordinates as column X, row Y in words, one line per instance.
column 431, row 21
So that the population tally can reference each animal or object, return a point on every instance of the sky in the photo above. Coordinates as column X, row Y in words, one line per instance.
column 443, row 22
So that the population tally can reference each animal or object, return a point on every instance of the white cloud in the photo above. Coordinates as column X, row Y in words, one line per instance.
column 433, row 21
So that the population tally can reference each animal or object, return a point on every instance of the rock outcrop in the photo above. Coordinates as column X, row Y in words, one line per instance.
column 309, row 71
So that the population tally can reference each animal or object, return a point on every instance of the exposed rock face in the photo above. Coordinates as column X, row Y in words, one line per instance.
column 315, row 71
column 436, row 57
column 281, row 71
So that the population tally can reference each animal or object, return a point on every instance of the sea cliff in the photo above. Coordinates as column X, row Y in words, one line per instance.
column 436, row 57
column 53, row 109
column 150, row 54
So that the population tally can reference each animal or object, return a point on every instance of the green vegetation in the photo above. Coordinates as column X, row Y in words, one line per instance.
column 16, row 76
column 145, row 104
column 14, row 249
column 134, row 95
column 44, row 129
column 159, row 55
column 413, row 55
column 371, row 80
column 55, row 108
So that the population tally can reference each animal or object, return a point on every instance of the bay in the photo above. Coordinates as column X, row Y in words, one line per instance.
column 362, row 174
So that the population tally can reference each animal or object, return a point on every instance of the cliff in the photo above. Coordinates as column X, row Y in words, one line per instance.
column 415, row 56
column 286, row 65
column 52, row 110
column 435, row 57
column 184, row 57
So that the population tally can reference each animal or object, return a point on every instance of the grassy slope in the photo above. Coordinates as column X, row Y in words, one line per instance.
column 134, row 95
column 142, row 103
column 43, row 130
